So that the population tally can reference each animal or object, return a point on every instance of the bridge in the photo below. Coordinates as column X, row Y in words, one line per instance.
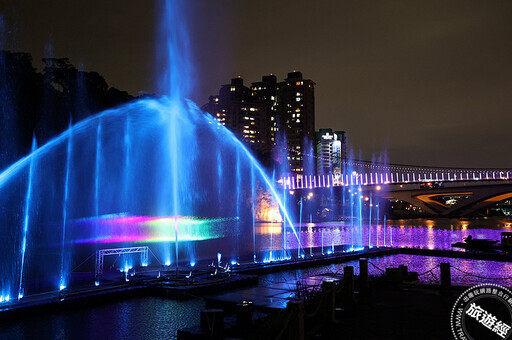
column 424, row 187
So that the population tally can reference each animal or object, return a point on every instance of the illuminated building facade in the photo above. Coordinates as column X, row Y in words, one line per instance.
column 296, row 107
column 235, row 108
column 331, row 151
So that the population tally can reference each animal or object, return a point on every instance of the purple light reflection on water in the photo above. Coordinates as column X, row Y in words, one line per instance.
column 425, row 233
column 464, row 272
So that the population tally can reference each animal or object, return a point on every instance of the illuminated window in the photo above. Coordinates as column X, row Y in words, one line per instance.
column 232, row 89
column 297, row 110
column 297, row 83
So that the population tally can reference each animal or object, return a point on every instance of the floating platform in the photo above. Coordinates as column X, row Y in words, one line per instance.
column 170, row 285
column 165, row 283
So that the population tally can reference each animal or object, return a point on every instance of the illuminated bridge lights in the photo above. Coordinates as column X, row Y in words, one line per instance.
column 402, row 175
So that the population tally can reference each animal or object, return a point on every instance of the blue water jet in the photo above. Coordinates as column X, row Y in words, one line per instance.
column 384, row 230
column 127, row 160
column 300, row 228
column 97, row 174
column 26, row 220
column 322, row 241
column 370, row 223
column 63, row 269
column 378, row 217
column 360, row 212
column 253, row 195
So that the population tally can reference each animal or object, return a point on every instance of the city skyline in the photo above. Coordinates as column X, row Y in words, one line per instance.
column 425, row 83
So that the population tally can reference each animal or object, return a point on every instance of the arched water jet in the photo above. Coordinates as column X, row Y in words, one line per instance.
column 90, row 159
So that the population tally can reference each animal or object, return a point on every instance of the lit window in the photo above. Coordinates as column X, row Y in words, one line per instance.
column 297, row 110
column 298, row 120
column 297, row 83
column 297, row 99
column 216, row 99
column 232, row 89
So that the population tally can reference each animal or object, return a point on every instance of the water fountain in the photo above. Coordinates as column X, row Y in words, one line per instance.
column 156, row 172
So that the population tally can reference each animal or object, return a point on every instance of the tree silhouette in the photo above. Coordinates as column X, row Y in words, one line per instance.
column 44, row 103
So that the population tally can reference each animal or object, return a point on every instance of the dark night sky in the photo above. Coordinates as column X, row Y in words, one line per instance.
column 427, row 82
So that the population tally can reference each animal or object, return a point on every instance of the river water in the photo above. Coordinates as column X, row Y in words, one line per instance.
column 158, row 318
column 437, row 233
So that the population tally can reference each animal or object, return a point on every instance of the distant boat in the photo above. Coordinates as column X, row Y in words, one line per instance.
column 471, row 243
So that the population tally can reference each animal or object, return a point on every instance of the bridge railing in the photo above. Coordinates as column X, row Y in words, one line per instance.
column 381, row 178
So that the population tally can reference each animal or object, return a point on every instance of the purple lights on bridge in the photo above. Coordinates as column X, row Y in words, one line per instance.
column 394, row 175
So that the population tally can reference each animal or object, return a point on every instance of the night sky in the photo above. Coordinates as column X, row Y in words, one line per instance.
column 426, row 83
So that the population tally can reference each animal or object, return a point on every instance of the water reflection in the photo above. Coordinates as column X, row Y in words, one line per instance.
column 140, row 318
column 424, row 233
column 464, row 272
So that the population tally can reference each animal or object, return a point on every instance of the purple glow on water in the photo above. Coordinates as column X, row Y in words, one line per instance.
column 423, row 233
column 463, row 273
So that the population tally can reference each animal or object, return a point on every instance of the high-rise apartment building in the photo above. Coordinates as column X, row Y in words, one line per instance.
column 257, row 115
column 247, row 118
column 296, row 107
